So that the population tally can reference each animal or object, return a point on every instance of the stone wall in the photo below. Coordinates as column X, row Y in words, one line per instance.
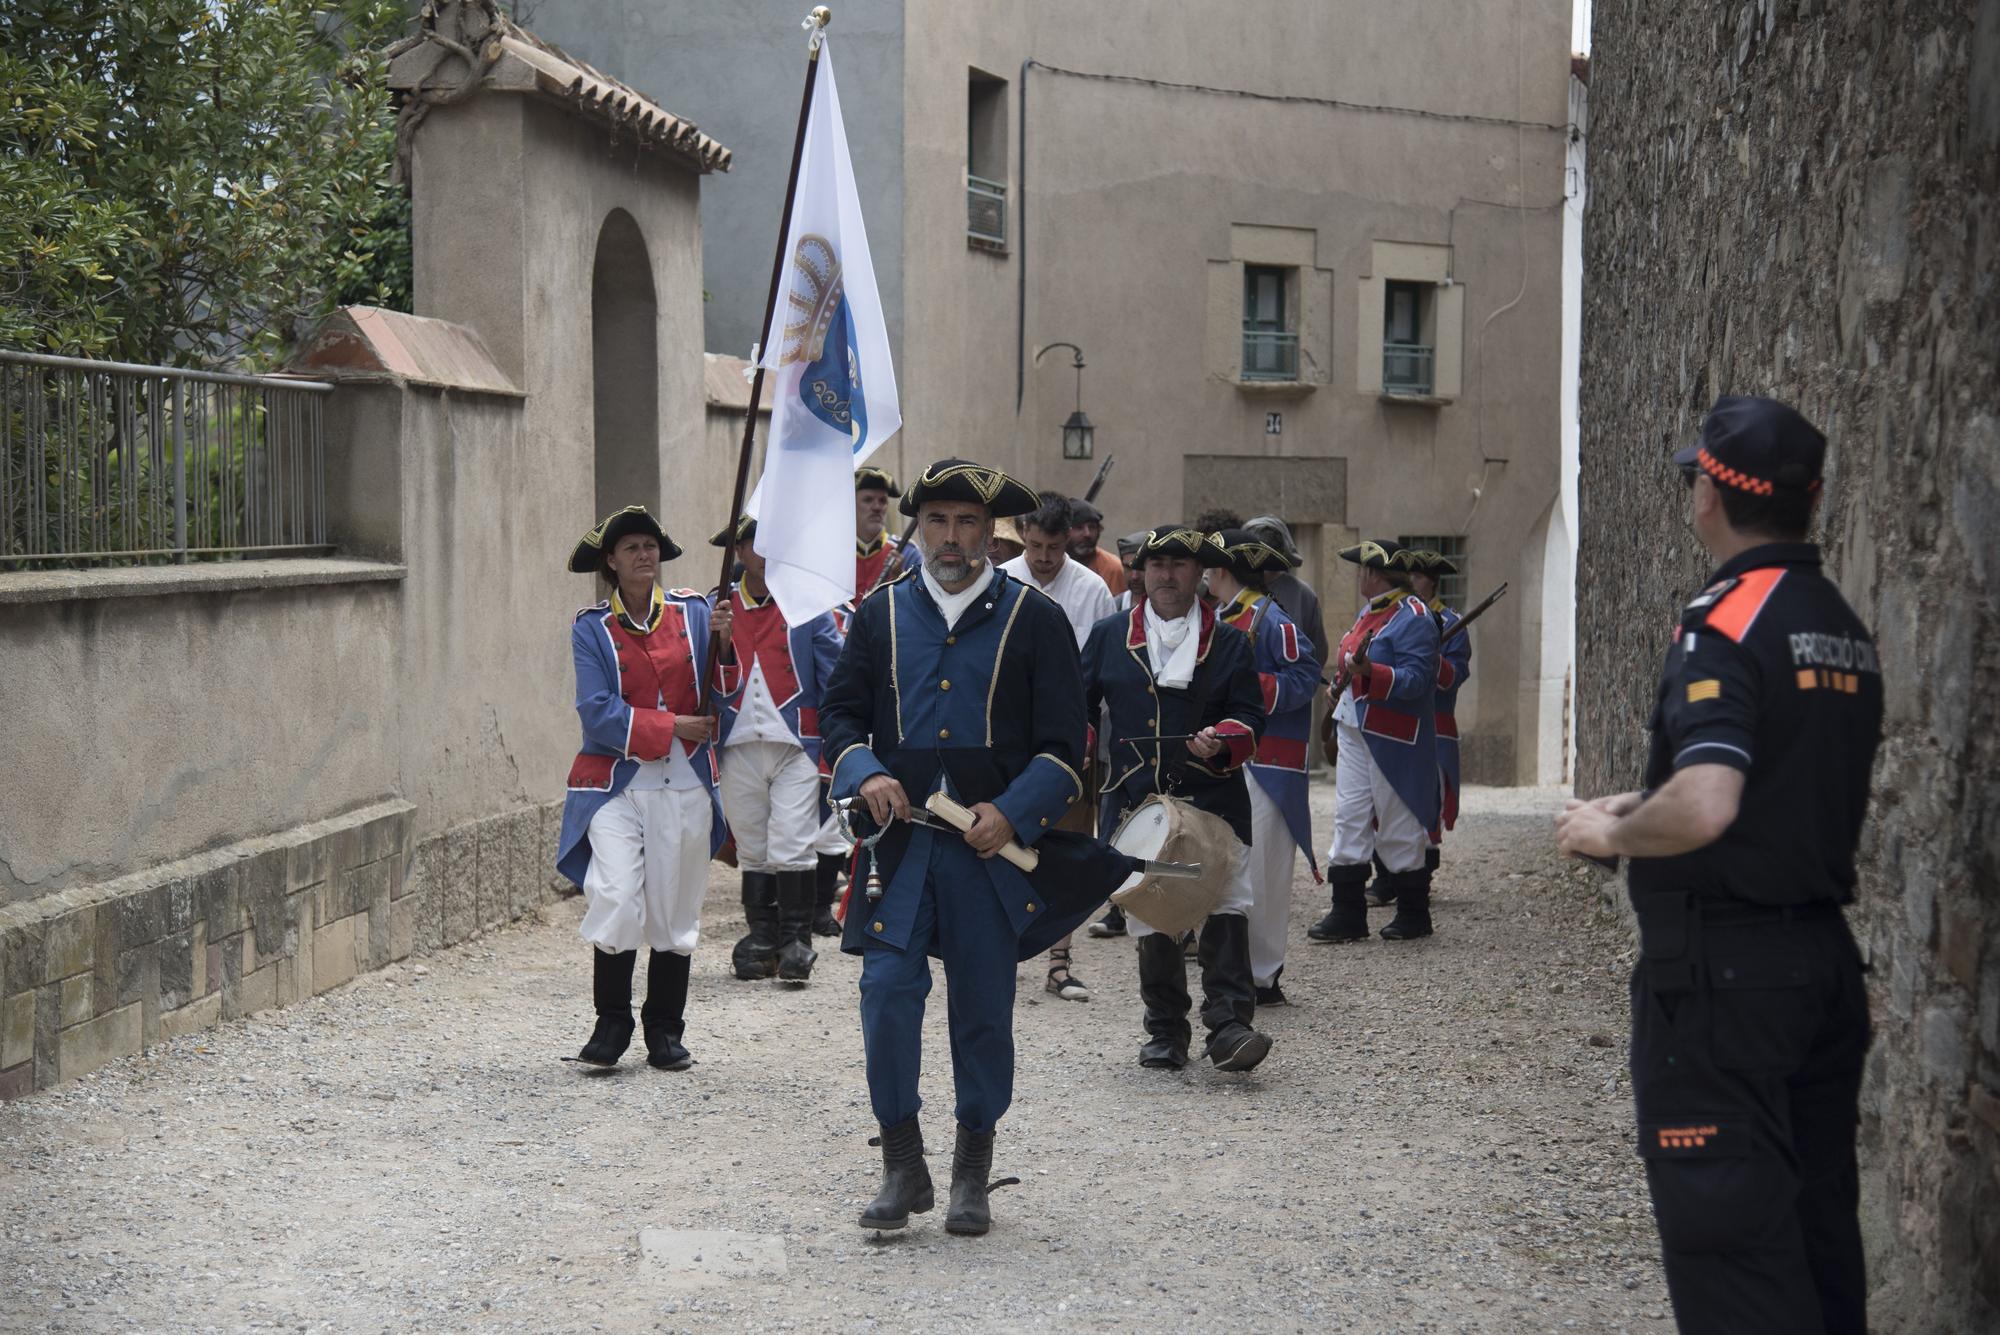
column 1798, row 197
column 104, row 971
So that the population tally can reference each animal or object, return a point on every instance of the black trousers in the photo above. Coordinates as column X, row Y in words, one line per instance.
column 1749, row 1027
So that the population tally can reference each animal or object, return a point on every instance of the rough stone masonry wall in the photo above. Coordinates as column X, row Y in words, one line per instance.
column 1798, row 197
column 108, row 970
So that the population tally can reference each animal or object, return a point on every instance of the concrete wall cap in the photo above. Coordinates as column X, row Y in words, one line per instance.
column 58, row 586
column 362, row 344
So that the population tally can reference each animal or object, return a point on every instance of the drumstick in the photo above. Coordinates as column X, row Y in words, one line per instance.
column 962, row 820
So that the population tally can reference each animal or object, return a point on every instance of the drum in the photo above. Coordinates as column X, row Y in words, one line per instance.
column 1168, row 829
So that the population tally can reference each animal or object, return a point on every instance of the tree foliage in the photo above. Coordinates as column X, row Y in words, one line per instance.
column 193, row 182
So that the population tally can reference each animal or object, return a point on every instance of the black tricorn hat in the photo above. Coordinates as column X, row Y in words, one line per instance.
column 1378, row 554
column 587, row 557
column 1423, row 561
column 869, row 478
column 963, row 480
column 1249, row 554
column 746, row 529
column 1181, row 540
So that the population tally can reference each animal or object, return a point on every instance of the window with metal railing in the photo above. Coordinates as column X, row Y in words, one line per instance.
column 108, row 463
column 1407, row 357
column 1270, row 346
column 1451, row 588
column 985, row 160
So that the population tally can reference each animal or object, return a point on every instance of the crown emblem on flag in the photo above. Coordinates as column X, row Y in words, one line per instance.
column 813, row 299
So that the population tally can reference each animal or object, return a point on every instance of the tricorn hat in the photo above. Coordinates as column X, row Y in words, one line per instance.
column 1181, row 540
column 962, row 480
column 1377, row 554
column 587, row 557
column 869, row 478
column 746, row 529
column 1423, row 561
column 1249, row 554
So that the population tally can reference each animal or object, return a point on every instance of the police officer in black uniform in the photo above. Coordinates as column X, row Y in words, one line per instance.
column 1749, row 1018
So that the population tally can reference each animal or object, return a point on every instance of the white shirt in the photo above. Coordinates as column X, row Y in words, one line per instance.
column 1171, row 646
column 953, row 605
column 1077, row 589
column 757, row 718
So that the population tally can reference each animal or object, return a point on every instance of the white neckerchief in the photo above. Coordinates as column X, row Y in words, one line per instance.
column 952, row 605
column 1171, row 645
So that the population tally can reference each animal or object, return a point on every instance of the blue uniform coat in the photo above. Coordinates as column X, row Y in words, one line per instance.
column 617, row 699
column 1396, row 701
column 1289, row 676
column 1454, row 670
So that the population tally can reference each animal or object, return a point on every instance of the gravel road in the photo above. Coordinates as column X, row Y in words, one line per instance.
column 1441, row 1140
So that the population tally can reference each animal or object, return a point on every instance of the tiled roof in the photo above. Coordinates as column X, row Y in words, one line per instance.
column 432, row 66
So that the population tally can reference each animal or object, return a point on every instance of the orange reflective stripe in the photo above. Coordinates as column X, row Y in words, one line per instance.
column 1737, row 609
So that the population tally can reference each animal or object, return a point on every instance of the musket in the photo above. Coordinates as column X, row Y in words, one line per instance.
column 1458, row 628
column 1097, row 483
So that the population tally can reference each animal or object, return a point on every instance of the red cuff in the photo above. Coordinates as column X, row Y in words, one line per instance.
column 1380, row 678
column 1238, row 742
column 1447, row 674
column 652, row 736
column 1270, row 685
column 1089, row 740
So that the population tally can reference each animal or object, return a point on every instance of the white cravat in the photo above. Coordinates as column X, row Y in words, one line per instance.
column 952, row 605
column 1170, row 647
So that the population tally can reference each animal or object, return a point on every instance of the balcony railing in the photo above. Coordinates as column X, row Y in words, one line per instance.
column 106, row 463
column 1270, row 355
column 985, row 210
column 1406, row 369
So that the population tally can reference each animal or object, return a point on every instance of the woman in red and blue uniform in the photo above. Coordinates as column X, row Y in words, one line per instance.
column 641, row 819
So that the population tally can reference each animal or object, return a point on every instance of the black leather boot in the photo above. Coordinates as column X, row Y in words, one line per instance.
column 1348, row 919
column 1381, row 891
column 1228, row 995
column 1413, row 907
column 1432, row 857
column 971, row 1172
column 906, row 1179
column 611, row 993
column 826, row 889
column 756, row 955
column 795, row 926
column 1163, row 990
column 666, row 1004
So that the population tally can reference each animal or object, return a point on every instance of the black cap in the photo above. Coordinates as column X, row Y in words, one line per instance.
column 963, row 480
column 744, row 530
column 1172, row 540
column 1083, row 512
column 1377, row 554
column 1249, row 554
column 870, row 478
column 588, row 554
column 1757, row 445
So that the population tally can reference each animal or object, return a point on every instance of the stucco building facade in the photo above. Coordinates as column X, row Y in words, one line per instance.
column 1312, row 254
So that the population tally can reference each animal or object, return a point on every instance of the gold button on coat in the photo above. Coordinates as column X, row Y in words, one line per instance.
column 944, row 685
column 878, row 926
column 944, row 732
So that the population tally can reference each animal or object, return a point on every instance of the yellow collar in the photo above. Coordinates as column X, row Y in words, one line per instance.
column 652, row 613
column 1436, row 604
column 1245, row 599
column 1388, row 599
column 750, row 604
column 870, row 548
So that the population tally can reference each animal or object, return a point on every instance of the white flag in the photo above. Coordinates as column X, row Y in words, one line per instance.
column 834, row 391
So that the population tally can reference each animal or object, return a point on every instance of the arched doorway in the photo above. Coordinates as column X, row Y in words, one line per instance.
column 625, row 368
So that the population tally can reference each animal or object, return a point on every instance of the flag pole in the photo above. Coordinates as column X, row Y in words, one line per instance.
column 820, row 17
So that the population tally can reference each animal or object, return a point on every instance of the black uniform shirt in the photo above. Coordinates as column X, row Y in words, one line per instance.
column 1770, row 673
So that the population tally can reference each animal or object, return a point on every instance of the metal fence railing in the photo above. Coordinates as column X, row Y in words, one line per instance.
column 1406, row 369
column 107, row 463
column 985, row 210
column 1270, row 355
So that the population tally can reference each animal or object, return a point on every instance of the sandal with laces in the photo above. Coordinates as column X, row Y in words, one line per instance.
column 1061, row 982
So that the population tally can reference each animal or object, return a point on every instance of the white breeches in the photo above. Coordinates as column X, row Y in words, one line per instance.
column 1236, row 896
column 770, row 796
column 1272, row 855
column 831, row 840
column 1368, row 817
column 648, row 870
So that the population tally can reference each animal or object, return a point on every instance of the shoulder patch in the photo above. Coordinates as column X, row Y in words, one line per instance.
column 1737, row 607
column 695, row 594
column 583, row 612
column 1291, row 634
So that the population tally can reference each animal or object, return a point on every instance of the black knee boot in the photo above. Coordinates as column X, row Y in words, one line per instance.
column 756, row 955
column 1413, row 907
column 906, row 1179
column 1382, row 891
column 971, row 1171
column 1348, row 919
column 1163, row 990
column 826, row 886
column 662, row 1015
column 795, row 926
column 611, row 992
column 1432, row 857
column 1229, row 995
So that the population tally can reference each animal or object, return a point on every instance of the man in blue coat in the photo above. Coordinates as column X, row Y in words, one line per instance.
column 1385, row 782
column 1454, row 670
column 1186, row 710
column 955, row 679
